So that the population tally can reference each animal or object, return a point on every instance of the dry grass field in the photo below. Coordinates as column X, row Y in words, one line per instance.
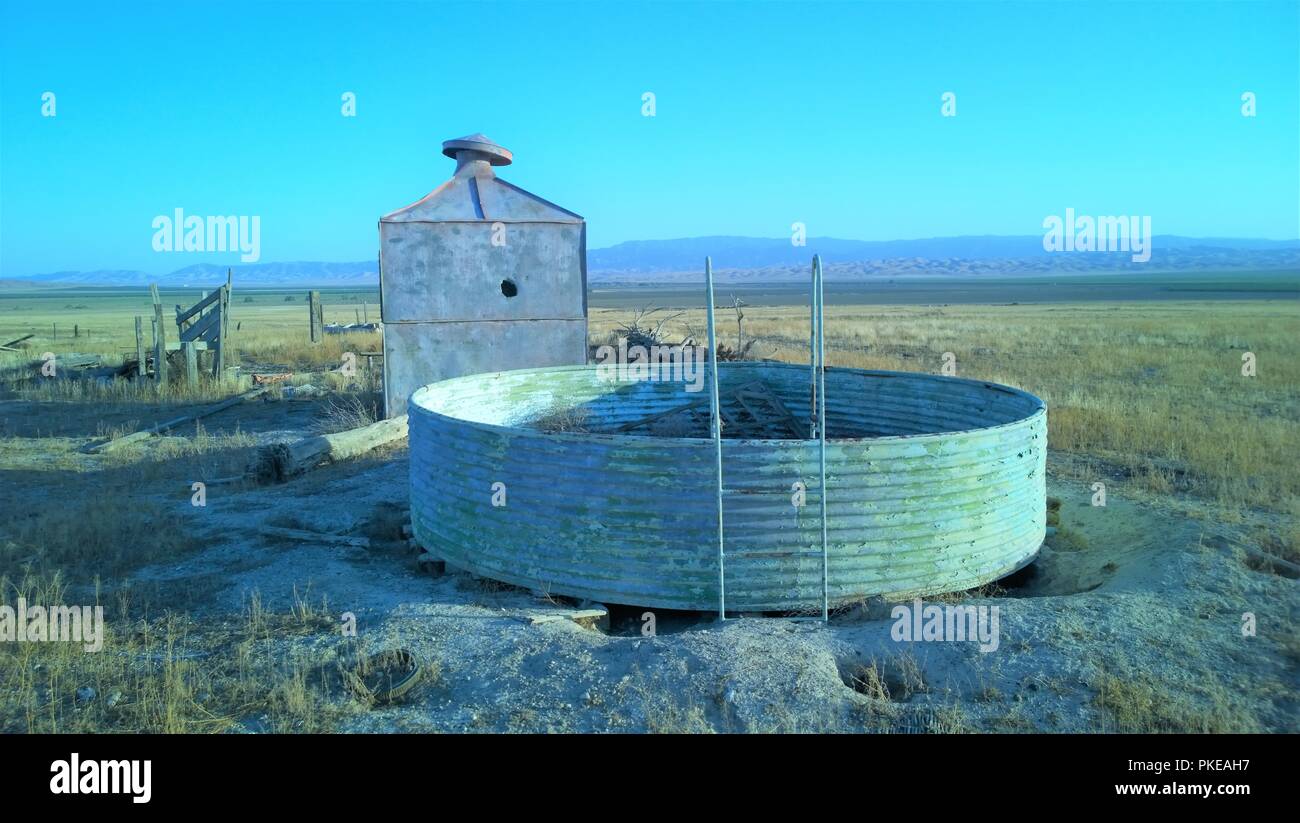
column 1148, row 397
column 1153, row 389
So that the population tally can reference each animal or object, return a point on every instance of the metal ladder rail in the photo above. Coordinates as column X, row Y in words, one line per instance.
column 716, row 430
column 819, row 312
column 817, row 415
column 813, row 393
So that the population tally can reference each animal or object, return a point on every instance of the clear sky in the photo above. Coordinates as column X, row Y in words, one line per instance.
column 766, row 114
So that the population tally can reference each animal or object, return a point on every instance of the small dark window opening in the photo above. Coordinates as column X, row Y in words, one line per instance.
column 508, row 288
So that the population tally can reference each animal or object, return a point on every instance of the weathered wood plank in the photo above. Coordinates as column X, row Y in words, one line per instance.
column 191, row 363
column 185, row 314
column 586, row 616
column 219, row 361
column 145, row 434
column 285, row 460
column 316, row 315
column 315, row 537
column 141, row 366
column 160, row 337
column 203, row 328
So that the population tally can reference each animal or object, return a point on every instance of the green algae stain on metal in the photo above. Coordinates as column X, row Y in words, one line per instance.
column 933, row 484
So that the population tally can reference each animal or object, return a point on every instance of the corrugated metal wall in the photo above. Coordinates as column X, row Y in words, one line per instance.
column 934, row 484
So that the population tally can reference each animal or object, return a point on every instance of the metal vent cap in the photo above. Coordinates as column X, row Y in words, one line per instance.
column 481, row 143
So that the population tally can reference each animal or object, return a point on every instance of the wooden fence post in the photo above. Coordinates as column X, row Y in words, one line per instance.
column 160, row 338
column 317, row 315
column 191, row 362
column 219, row 359
column 141, row 365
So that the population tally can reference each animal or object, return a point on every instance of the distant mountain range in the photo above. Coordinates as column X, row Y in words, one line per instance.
column 754, row 259
column 938, row 255
column 206, row 274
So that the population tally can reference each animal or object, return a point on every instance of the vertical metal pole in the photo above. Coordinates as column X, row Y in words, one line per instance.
column 812, row 357
column 821, row 428
column 716, row 427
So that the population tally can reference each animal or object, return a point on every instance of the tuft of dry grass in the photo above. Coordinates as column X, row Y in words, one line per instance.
column 100, row 536
column 895, row 678
column 348, row 411
column 1135, row 704
column 270, row 670
column 563, row 418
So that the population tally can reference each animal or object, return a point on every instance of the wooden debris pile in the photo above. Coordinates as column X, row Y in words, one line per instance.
column 17, row 345
column 750, row 412
column 339, row 328
column 74, row 366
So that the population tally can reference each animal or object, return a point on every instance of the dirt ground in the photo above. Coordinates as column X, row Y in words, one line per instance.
column 1131, row 619
column 1139, row 595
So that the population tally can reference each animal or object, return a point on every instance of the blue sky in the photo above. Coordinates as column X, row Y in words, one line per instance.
column 767, row 113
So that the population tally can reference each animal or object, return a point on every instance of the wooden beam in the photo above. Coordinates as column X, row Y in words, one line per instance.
column 316, row 537
column 204, row 328
column 282, row 461
column 431, row 564
column 72, row 361
column 197, row 308
column 145, row 434
column 596, row 614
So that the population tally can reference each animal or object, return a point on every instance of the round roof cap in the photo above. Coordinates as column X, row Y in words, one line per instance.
column 496, row 155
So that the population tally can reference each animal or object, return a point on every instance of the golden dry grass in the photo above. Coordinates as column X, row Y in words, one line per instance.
column 1152, row 390
column 263, row 671
column 77, row 528
column 266, row 331
column 1135, row 704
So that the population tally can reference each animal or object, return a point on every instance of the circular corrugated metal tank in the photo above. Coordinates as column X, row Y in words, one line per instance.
column 934, row 484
